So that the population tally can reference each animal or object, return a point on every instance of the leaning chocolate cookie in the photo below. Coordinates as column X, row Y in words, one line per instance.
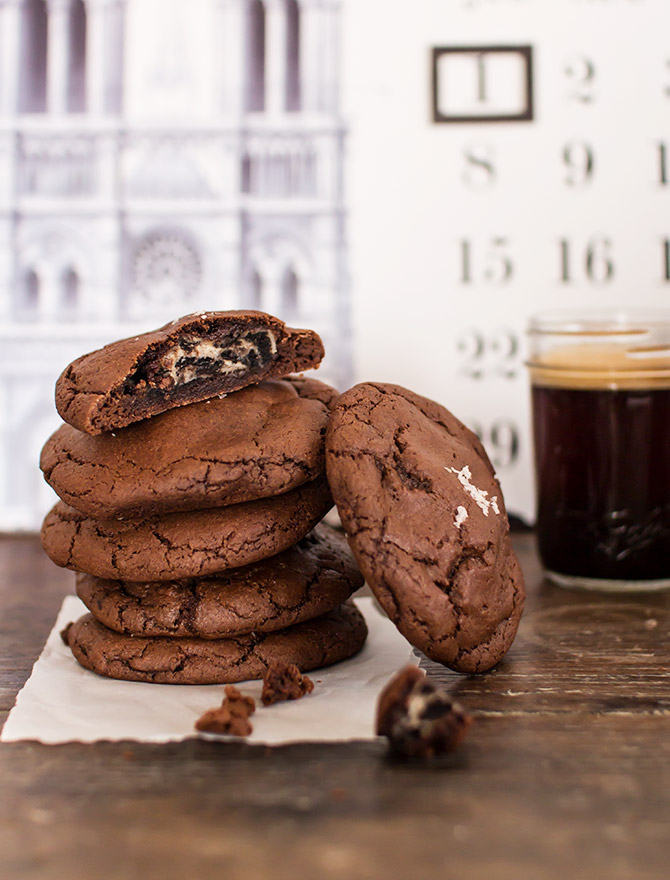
column 259, row 442
column 303, row 582
column 426, row 521
column 321, row 642
column 188, row 360
column 183, row 545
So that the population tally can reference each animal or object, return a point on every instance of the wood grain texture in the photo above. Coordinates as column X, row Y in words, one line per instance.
column 565, row 772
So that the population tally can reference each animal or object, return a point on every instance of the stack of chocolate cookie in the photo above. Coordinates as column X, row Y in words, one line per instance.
column 192, row 477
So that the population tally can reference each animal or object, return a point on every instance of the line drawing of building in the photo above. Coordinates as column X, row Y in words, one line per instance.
column 159, row 157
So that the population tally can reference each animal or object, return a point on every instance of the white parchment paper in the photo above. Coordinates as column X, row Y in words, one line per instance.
column 61, row 702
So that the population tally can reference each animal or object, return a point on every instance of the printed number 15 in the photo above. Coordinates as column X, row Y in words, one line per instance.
column 491, row 265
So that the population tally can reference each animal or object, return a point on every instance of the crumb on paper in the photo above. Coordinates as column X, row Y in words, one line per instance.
column 231, row 717
column 284, row 681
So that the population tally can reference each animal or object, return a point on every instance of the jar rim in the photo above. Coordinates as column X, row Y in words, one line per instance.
column 606, row 321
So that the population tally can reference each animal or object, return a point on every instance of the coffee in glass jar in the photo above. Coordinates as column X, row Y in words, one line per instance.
column 601, row 424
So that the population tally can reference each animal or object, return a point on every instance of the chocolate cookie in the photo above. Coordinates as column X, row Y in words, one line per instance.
column 259, row 442
column 312, row 389
column 327, row 639
column 309, row 579
column 188, row 360
column 426, row 521
column 183, row 545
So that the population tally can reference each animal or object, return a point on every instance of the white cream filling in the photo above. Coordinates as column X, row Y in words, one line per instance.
column 415, row 707
column 461, row 516
column 205, row 349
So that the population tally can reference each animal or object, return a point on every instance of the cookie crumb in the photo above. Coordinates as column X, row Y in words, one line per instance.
column 64, row 633
column 419, row 719
column 284, row 681
column 238, row 701
column 231, row 717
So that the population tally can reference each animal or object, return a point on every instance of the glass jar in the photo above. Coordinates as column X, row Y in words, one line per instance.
column 601, row 424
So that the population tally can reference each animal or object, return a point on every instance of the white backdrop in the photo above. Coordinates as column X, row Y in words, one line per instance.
column 569, row 209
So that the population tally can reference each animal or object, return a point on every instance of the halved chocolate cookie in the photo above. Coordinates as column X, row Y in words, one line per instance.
column 188, row 360
column 259, row 442
column 426, row 521
column 321, row 642
column 309, row 579
column 183, row 545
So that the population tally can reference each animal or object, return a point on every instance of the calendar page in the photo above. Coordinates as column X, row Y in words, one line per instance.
column 505, row 157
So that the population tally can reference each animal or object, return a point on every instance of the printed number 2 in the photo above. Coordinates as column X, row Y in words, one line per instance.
column 581, row 72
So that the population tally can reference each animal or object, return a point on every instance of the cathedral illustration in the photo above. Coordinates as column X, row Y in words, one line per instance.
column 158, row 157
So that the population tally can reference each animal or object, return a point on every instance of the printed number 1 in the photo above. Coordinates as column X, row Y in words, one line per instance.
column 662, row 164
column 481, row 78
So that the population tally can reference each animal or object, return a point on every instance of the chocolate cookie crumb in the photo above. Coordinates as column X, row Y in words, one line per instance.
column 223, row 720
column 64, row 634
column 284, row 681
column 418, row 718
column 238, row 702
column 231, row 717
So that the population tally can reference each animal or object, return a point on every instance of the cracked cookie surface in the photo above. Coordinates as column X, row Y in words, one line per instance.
column 183, row 545
column 306, row 581
column 426, row 521
column 191, row 359
column 310, row 645
column 254, row 443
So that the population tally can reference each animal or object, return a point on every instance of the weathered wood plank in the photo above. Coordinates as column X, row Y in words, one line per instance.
column 566, row 771
column 525, row 797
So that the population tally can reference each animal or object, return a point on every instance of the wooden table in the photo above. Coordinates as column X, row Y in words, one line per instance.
column 565, row 773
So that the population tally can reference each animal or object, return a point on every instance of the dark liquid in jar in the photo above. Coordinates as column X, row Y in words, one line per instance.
column 603, row 477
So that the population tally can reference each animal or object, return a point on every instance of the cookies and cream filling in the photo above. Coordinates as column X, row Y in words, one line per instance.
column 193, row 357
column 425, row 704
